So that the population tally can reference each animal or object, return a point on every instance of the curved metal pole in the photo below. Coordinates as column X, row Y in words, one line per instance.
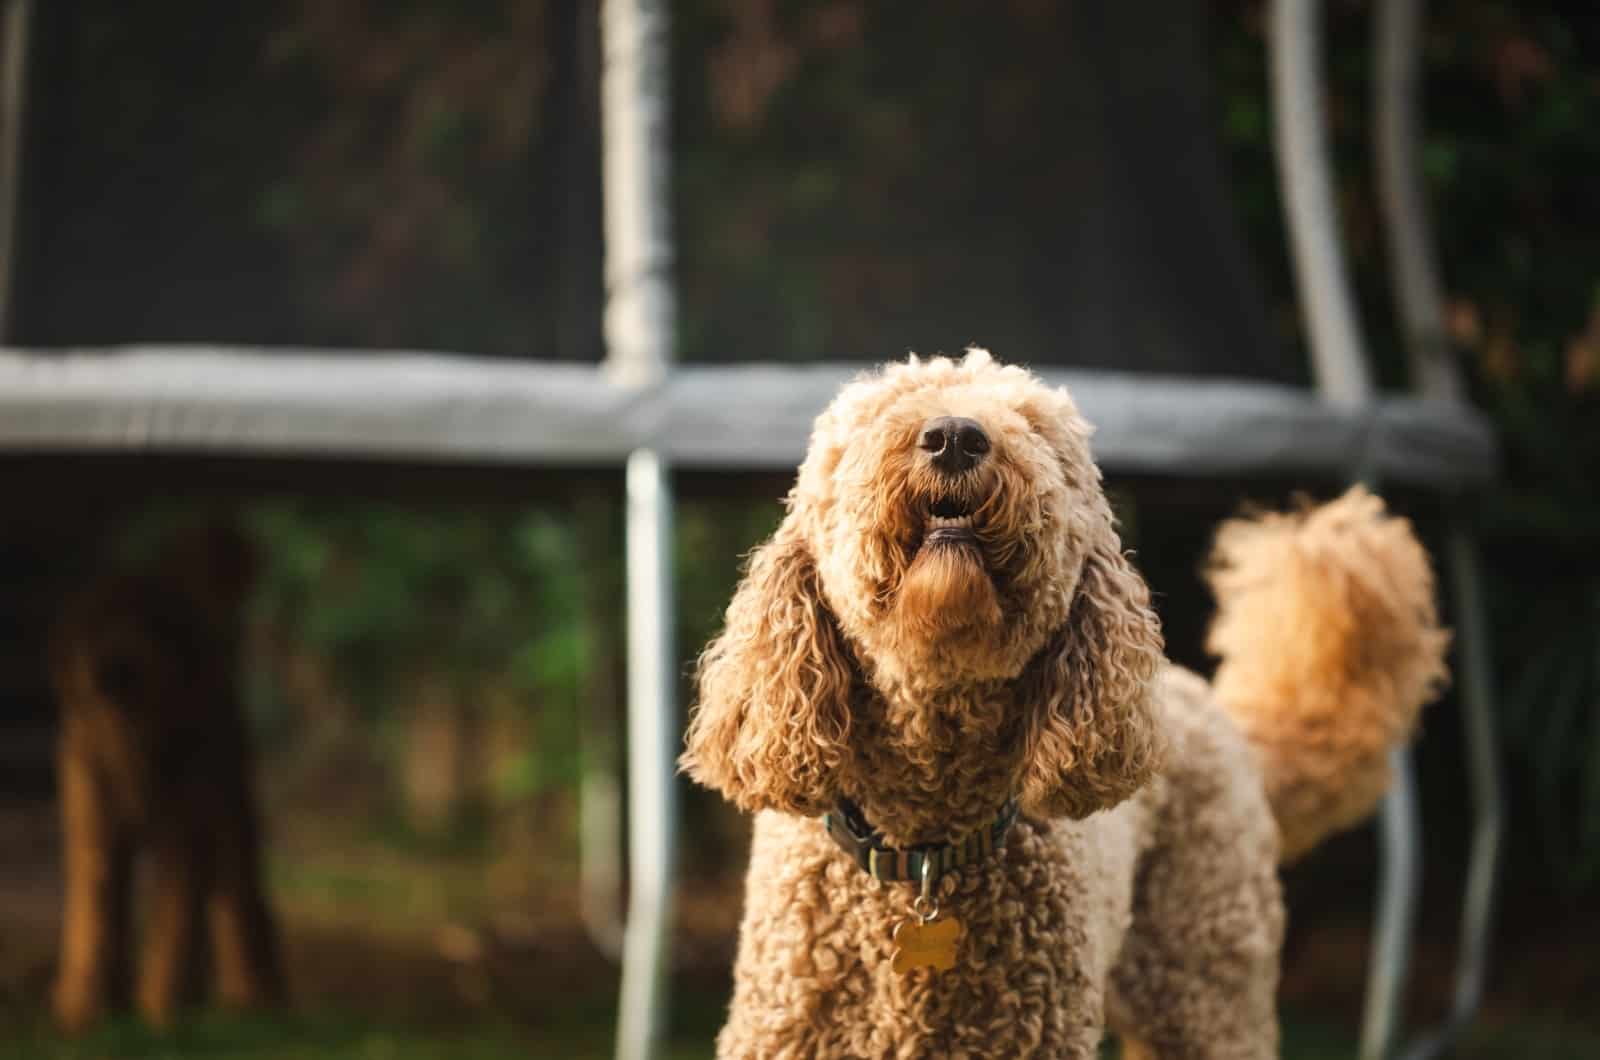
column 1340, row 368
column 1488, row 799
column 1419, row 296
column 1399, row 883
column 1434, row 372
column 640, row 328
column 14, row 25
column 1305, row 182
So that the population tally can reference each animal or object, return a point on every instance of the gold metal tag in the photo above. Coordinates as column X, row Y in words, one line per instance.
column 926, row 944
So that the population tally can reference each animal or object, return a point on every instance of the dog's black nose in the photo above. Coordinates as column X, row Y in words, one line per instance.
column 953, row 442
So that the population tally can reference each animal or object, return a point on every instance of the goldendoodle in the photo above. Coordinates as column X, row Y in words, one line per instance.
column 991, row 817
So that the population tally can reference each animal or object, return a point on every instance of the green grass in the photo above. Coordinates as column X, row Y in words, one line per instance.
column 326, row 1037
column 581, row 1032
column 292, row 1039
column 578, row 1027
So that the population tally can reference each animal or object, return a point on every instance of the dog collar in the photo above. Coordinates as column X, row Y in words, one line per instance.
column 849, row 828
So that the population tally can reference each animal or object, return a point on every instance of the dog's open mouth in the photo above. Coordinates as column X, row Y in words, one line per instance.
column 949, row 523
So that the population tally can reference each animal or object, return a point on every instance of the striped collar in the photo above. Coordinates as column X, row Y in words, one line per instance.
column 849, row 829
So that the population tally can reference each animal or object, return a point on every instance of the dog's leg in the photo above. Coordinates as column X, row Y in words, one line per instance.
column 1201, row 982
column 94, row 926
column 171, row 947
column 1194, row 1009
column 119, row 940
column 1198, row 973
column 1134, row 1049
column 243, row 937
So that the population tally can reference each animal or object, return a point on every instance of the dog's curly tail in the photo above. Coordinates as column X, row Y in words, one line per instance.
column 1330, row 645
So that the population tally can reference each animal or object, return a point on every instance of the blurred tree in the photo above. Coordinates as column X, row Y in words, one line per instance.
column 416, row 204
column 430, row 623
column 353, row 173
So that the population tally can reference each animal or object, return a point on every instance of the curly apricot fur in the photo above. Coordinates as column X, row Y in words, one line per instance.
column 929, row 681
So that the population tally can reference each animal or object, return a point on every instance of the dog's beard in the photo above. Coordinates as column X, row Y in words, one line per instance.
column 947, row 592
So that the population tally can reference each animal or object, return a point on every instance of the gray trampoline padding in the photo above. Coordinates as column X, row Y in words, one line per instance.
column 435, row 407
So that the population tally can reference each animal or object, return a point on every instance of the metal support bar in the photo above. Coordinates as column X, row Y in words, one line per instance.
column 1305, row 182
column 1419, row 295
column 653, row 738
column 640, row 329
column 600, row 844
column 1399, row 883
column 1476, row 683
column 641, row 310
column 14, row 26
column 1418, row 292
column 1305, row 176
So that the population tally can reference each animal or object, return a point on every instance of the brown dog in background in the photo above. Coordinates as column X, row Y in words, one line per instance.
column 154, row 758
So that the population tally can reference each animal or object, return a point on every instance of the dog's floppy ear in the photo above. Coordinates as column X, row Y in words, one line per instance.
column 771, row 726
column 1092, row 736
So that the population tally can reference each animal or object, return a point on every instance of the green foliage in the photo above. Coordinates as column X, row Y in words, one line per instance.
column 412, row 204
column 494, row 601
column 1552, row 720
column 480, row 593
column 488, row 602
column 1514, row 104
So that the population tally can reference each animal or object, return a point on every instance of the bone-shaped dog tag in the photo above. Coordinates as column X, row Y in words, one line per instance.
column 930, row 944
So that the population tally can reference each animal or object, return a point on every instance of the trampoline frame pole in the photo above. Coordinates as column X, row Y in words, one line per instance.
column 15, row 26
column 1340, row 368
column 1419, row 298
column 1305, row 183
column 1396, row 132
column 652, row 743
column 640, row 330
column 1481, row 742
column 1399, row 884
